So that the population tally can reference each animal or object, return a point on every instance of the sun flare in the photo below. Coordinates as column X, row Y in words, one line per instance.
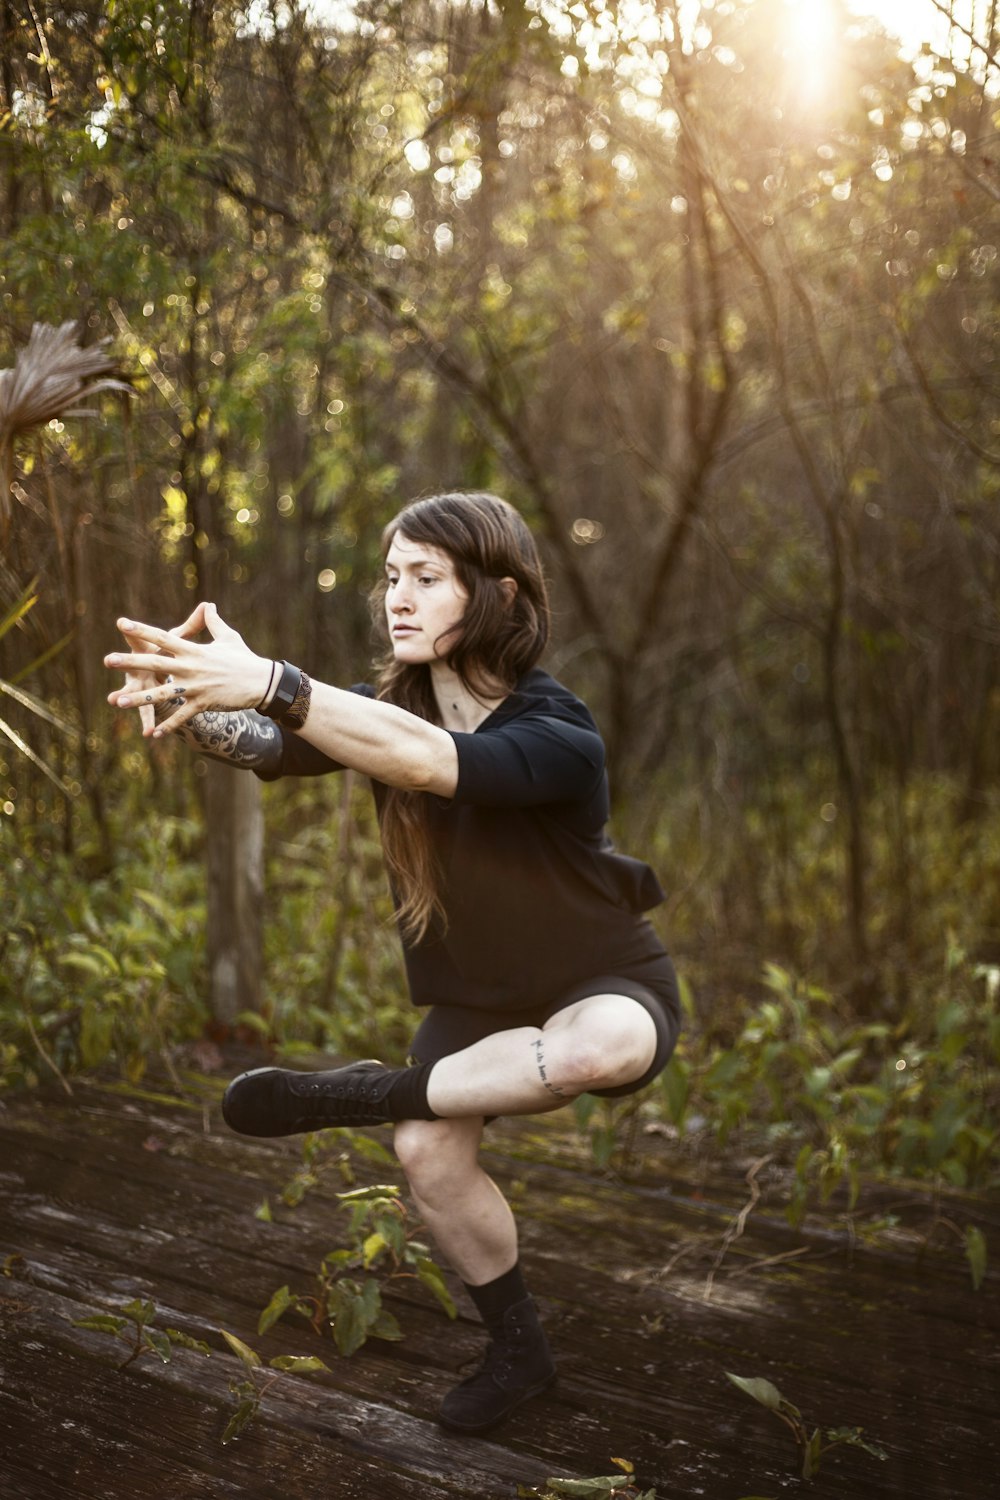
column 810, row 44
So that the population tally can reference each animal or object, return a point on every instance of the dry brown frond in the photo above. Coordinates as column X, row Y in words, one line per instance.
column 50, row 375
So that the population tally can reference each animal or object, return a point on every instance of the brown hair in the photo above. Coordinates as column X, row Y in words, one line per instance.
column 496, row 641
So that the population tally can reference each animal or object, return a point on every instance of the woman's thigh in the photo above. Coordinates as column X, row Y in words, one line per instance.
column 614, row 1007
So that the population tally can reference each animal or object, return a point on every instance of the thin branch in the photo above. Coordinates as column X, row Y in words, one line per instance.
column 948, row 11
column 739, row 1224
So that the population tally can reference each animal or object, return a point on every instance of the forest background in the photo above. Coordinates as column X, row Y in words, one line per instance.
column 723, row 324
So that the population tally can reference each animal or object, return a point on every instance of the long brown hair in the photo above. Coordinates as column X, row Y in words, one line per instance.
column 497, row 640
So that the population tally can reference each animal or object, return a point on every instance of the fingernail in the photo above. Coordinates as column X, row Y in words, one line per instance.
column 126, row 624
column 112, row 661
column 124, row 702
column 157, row 734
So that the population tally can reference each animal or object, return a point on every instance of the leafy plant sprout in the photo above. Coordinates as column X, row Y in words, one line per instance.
column 812, row 1445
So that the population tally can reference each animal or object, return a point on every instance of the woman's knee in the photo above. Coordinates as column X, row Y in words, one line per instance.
column 435, row 1151
column 604, row 1048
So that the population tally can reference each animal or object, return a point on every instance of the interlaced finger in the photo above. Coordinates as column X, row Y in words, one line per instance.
column 159, row 664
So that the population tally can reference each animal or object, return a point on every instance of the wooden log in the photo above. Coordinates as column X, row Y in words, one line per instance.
column 110, row 1196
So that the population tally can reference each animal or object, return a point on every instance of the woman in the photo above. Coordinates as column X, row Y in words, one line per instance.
column 521, row 927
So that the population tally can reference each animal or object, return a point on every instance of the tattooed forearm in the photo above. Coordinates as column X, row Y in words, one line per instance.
column 240, row 737
column 543, row 1070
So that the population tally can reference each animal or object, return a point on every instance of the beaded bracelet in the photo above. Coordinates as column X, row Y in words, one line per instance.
column 296, row 714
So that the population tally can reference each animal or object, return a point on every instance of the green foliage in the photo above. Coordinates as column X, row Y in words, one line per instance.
column 9, row 620
column 381, row 1247
column 249, row 1392
column 332, row 947
column 976, row 1254
column 102, row 971
column 812, row 1445
column 133, row 1325
column 609, row 1487
column 918, row 1098
column 611, row 1128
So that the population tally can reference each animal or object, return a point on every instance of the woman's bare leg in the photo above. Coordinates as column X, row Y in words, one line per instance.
column 463, row 1208
column 599, row 1042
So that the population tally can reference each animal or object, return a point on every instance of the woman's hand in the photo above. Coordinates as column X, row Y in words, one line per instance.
column 224, row 674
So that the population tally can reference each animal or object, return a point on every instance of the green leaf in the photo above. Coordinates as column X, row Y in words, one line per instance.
column 760, row 1390
column 87, row 963
column 369, row 1194
column 583, row 1109
column 588, row 1489
column 433, row 1279
column 276, row 1308
column 975, row 1253
column 141, row 1312
column 294, row 1191
column 371, row 1150
column 158, row 1342
column 386, row 1327
column 185, row 1341
column 255, row 1022
column 393, row 1230
column 373, row 1248
column 298, row 1364
column 353, row 1311
column 676, row 1084
column 263, row 1212
column 336, row 1258
column 687, row 997
column 102, row 1323
column 20, row 607
column 244, row 1413
column 243, row 1351
column 811, row 1455
column 853, row 1437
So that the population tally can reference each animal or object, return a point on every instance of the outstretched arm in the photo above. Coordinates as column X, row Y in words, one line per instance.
column 239, row 737
column 224, row 677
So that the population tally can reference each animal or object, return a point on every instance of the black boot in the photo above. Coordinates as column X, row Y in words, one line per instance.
column 277, row 1101
column 518, row 1365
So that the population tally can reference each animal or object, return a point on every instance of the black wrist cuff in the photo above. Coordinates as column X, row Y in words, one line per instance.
column 284, row 694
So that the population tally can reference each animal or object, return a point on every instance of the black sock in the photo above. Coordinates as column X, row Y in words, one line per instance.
column 493, row 1298
column 407, row 1096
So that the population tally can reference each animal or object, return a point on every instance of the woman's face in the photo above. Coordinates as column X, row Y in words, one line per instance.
column 424, row 600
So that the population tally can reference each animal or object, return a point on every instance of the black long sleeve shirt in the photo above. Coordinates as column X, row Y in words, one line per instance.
column 536, row 896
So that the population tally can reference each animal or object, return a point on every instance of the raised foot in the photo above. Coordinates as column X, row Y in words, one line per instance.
column 280, row 1101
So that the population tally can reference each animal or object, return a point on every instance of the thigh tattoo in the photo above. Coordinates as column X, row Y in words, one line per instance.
column 543, row 1073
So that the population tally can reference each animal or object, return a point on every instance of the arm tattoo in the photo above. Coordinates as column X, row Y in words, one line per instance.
column 240, row 737
column 543, row 1071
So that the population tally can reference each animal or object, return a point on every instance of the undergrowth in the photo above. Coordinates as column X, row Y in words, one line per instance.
column 840, row 1096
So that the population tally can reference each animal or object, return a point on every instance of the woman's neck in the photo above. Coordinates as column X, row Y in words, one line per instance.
column 461, row 707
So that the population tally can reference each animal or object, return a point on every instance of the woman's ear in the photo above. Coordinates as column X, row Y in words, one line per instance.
column 509, row 587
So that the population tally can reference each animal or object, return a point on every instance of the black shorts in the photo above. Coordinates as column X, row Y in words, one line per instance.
column 449, row 1028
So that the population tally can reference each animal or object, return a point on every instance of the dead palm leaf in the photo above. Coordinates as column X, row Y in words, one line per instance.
column 50, row 375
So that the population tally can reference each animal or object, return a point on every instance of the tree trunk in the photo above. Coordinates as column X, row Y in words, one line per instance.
column 234, row 822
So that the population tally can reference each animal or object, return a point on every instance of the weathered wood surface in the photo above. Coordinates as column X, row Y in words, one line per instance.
column 111, row 1195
